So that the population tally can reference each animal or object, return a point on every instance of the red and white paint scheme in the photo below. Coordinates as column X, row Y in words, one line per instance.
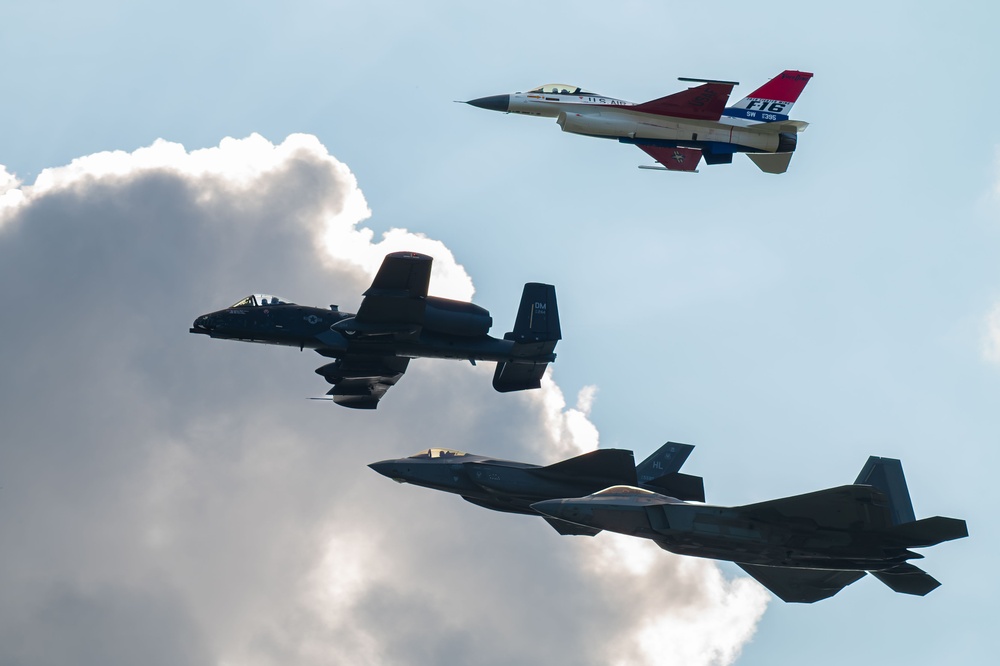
column 679, row 129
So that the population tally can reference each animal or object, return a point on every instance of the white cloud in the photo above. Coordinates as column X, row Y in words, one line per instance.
column 177, row 495
column 991, row 336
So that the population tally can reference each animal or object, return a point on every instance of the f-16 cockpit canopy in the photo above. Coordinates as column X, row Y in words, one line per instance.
column 560, row 89
column 439, row 453
column 259, row 300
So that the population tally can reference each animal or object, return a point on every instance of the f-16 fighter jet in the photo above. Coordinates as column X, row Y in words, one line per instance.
column 397, row 321
column 802, row 548
column 504, row 485
column 679, row 129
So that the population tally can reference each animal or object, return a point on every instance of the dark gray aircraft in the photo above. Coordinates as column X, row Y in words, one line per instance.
column 505, row 485
column 802, row 548
column 398, row 321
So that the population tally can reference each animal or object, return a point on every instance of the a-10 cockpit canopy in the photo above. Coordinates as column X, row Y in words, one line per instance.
column 439, row 453
column 259, row 300
column 560, row 89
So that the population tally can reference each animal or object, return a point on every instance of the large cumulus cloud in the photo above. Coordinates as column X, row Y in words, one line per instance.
column 172, row 499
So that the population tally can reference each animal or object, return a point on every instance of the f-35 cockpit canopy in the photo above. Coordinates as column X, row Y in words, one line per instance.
column 560, row 89
column 259, row 300
column 439, row 453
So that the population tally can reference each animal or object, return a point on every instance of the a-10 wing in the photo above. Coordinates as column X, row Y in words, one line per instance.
column 393, row 305
column 398, row 295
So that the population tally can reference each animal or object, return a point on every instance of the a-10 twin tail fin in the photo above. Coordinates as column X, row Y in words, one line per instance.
column 536, row 332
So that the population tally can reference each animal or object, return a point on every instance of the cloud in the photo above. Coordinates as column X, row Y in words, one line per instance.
column 991, row 336
column 175, row 499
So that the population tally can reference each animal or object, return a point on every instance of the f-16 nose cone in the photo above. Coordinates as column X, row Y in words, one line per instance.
column 492, row 103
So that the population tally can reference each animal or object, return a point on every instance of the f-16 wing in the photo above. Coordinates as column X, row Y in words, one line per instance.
column 360, row 380
column 395, row 302
column 704, row 102
column 673, row 159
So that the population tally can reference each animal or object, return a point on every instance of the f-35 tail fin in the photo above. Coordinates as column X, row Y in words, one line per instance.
column 659, row 472
column 536, row 332
column 886, row 474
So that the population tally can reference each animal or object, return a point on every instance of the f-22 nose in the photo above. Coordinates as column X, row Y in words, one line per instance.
column 492, row 103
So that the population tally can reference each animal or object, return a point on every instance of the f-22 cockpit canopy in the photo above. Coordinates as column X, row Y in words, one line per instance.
column 560, row 89
column 259, row 300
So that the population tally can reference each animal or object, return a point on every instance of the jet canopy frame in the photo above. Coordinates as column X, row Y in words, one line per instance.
column 259, row 300
column 439, row 453
column 560, row 89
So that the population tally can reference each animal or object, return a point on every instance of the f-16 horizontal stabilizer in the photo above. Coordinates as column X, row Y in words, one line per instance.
column 771, row 162
column 569, row 529
column 929, row 531
column 803, row 586
column 907, row 579
column 613, row 466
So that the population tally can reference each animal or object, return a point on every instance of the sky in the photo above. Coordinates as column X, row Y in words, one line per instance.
column 175, row 499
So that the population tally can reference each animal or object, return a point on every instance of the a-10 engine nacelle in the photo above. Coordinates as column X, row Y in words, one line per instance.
column 596, row 124
column 443, row 315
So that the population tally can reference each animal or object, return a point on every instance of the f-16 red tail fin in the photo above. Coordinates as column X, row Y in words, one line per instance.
column 772, row 101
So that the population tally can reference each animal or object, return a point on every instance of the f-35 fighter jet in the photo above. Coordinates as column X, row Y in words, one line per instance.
column 505, row 485
column 802, row 548
column 398, row 321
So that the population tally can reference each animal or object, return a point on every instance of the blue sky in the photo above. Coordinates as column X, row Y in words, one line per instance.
column 788, row 326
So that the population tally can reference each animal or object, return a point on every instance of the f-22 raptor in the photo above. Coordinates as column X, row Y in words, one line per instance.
column 802, row 548
column 679, row 129
column 506, row 485
column 398, row 321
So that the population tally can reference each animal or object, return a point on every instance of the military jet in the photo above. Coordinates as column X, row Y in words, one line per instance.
column 679, row 129
column 803, row 548
column 397, row 321
column 505, row 485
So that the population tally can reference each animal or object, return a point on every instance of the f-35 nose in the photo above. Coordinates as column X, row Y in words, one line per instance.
column 492, row 103
column 389, row 468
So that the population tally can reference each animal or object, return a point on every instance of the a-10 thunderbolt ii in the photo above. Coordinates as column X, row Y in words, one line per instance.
column 506, row 485
column 802, row 548
column 397, row 321
column 679, row 129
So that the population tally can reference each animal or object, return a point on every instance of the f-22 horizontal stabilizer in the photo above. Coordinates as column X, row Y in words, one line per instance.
column 907, row 579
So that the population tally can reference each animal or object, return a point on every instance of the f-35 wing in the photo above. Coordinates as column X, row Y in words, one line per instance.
column 360, row 381
column 398, row 294
column 802, row 586
column 704, row 102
